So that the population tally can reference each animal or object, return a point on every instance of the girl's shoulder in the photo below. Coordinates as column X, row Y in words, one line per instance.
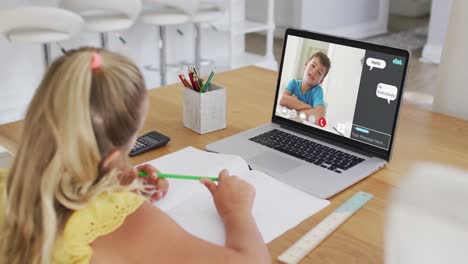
column 101, row 216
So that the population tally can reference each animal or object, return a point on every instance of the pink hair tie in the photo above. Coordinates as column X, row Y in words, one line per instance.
column 96, row 61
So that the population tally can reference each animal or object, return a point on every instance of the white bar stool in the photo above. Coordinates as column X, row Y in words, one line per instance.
column 105, row 16
column 208, row 11
column 163, row 13
column 38, row 24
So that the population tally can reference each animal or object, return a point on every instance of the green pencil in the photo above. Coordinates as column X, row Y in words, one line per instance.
column 175, row 176
column 207, row 83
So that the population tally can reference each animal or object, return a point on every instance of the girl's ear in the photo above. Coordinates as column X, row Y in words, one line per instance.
column 112, row 158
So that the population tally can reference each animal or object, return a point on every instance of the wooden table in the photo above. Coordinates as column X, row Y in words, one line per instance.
column 421, row 135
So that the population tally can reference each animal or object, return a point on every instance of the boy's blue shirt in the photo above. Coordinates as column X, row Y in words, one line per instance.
column 312, row 97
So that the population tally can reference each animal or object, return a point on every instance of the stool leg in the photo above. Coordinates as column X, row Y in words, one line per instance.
column 197, row 46
column 46, row 47
column 162, row 56
column 104, row 40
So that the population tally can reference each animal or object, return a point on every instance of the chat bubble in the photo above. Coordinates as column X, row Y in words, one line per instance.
column 372, row 62
column 387, row 92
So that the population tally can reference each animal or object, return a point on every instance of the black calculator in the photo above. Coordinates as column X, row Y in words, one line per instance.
column 149, row 141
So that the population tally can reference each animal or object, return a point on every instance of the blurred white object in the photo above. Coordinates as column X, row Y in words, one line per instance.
column 427, row 221
column 312, row 119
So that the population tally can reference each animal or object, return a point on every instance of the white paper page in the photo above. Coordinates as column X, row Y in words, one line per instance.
column 277, row 208
column 191, row 161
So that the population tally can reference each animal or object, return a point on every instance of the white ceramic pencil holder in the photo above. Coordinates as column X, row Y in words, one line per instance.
column 205, row 112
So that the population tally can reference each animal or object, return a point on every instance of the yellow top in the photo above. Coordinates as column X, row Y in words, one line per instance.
column 104, row 214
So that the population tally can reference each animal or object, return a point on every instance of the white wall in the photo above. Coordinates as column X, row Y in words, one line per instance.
column 438, row 23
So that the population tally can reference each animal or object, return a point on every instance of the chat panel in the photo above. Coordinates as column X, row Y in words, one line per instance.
column 376, row 104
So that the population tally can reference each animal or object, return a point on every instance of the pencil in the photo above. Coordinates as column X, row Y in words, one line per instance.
column 175, row 176
column 207, row 83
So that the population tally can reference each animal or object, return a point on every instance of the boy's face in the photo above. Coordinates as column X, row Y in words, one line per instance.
column 314, row 72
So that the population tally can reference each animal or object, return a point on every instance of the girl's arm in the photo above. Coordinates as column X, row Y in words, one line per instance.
column 151, row 236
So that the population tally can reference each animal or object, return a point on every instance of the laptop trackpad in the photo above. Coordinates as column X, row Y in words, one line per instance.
column 274, row 162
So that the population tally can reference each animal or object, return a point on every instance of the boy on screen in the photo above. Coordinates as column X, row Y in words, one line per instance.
column 306, row 95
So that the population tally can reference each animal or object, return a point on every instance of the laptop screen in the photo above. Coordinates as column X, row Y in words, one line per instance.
column 342, row 87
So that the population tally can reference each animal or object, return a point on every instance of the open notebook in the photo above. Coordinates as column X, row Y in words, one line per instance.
column 277, row 207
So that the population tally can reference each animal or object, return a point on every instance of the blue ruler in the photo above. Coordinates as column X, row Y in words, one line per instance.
column 316, row 235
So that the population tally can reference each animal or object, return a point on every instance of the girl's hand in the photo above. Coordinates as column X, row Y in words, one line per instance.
column 232, row 196
column 161, row 186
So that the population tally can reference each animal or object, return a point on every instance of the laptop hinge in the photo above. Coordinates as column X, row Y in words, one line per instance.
column 328, row 140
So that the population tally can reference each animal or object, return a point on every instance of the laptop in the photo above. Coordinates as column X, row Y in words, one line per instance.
column 334, row 116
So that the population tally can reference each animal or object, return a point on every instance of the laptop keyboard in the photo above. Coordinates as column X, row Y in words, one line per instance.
column 307, row 150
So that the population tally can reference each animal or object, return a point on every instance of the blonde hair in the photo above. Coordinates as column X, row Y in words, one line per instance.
column 77, row 116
